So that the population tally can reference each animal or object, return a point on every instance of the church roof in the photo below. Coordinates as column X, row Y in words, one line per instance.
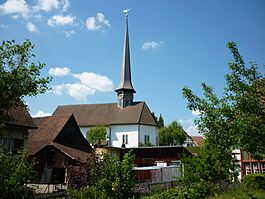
column 108, row 114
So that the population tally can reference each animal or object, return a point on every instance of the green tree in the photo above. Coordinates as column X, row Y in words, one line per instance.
column 97, row 135
column 106, row 177
column 173, row 134
column 237, row 119
column 159, row 121
column 208, row 166
column 15, row 171
column 19, row 76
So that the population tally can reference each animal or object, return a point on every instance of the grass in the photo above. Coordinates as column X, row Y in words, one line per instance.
column 239, row 194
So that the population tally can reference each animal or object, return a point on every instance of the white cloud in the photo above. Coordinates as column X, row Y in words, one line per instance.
column 69, row 33
column 95, row 81
column 195, row 113
column 59, row 71
column 192, row 129
column 47, row 5
column 152, row 45
column 41, row 114
column 96, row 23
column 88, row 84
column 58, row 89
column 61, row 20
column 32, row 28
column 66, row 5
column 189, row 126
column 79, row 91
column 15, row 7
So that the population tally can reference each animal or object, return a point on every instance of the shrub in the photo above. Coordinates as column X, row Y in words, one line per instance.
column 15, row 172
column 83, row 193
column 254, row 182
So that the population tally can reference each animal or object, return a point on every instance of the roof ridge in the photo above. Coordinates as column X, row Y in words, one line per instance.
column 141, row 112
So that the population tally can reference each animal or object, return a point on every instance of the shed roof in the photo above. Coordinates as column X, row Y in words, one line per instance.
column 49, row 128
column 108, row 114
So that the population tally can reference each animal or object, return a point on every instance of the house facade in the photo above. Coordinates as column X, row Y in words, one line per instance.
column 249, row 165
column 128, row 123
column 14, row 135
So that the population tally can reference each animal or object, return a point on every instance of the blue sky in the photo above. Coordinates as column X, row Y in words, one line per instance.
column 172, row 43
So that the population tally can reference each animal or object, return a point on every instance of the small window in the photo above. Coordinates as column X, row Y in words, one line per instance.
column 124, row 139
column 146, row 139
column 255, row 167
column 8, row 143
column 247, row 169
column 176, row 163
column 262, row 165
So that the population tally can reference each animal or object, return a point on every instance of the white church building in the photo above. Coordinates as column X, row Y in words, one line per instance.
column 128, row 123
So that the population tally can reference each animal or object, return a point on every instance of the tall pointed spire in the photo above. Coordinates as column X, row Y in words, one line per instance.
column 125, row 89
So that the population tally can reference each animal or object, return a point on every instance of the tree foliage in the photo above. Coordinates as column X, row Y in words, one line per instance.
column 97, row 135
column 237, row 119
column 209, row 166
column 19, row 76
column 15, row 171
column 159, row 120
column 102, row 177
column 173, row 134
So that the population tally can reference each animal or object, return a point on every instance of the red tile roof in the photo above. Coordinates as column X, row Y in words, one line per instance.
column 198, row 140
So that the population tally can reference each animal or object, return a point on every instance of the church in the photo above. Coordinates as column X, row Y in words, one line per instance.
column 128, row 123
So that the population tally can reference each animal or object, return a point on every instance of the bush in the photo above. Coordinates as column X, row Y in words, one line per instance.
column 254, row 182
column 83, row 193
column 15, row 172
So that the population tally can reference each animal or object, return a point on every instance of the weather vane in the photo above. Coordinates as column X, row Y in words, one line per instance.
column 126, row 11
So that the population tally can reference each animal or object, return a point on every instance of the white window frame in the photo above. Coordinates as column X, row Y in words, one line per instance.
column 146, row 139
column 262, row 165
column 247, row 169
column 255, row 167
column 125, row 139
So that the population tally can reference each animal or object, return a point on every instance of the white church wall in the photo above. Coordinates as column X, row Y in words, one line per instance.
column 150, row 131
column 117, row 132
column 84, row 130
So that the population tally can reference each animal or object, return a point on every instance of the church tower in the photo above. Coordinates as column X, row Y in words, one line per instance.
column 125, row 90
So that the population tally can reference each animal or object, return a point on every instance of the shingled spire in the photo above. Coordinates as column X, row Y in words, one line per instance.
column 125, row 89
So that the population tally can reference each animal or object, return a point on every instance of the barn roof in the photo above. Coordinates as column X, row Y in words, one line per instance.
column 107, row 114
column 50, row 129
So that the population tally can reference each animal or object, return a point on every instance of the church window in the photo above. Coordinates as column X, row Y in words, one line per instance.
column 146, row 139
column 124, row 139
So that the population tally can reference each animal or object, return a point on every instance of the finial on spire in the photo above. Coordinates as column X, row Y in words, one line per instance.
column 126, row 11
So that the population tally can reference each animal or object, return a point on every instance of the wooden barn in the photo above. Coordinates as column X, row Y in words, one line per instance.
column 56, row 144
